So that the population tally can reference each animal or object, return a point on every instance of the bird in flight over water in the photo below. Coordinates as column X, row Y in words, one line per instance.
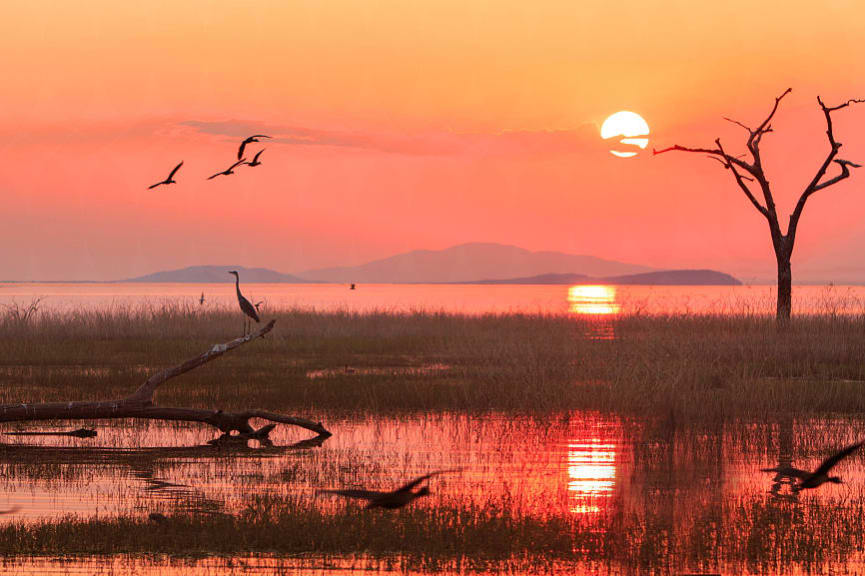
column 250, row 140
column 402, row 496
column 230, row 170
column 818, row 477
column 255, row 161
column 169, row 180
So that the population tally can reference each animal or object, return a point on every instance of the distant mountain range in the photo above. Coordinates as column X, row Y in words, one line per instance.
column 659, row 278
column 464, row 264
column 216, row 274
column 470, row 263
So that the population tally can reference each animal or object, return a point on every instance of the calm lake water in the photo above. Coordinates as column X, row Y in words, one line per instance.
column 463, row 299
column 663, row 489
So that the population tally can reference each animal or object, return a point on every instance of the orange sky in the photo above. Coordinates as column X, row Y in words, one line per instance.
column 407, row 125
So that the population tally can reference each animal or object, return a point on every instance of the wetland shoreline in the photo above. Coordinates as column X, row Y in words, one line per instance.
column 624, row 443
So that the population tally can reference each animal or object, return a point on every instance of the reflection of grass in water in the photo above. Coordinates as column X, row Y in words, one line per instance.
column 703, row 366
column 768, row 535
column 418, row 535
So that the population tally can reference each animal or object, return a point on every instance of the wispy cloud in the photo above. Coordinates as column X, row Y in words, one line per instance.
column 302, row 136
column 429, row 143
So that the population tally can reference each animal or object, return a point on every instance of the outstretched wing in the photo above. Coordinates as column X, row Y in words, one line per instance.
column 257, row 154
column 416, row 481
column 236, row 164
column 831, row 461
column 215, row 175
column 173, row 172
column 242, row 148
column 361, row 494
column 259, row 136
column 155, row 185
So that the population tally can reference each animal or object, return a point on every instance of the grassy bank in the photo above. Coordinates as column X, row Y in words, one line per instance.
column 693, row 365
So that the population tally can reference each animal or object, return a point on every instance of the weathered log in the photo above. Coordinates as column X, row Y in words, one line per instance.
column 79, row 433
column 140, row 404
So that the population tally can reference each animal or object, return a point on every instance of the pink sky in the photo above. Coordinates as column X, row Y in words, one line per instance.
column 404, row 125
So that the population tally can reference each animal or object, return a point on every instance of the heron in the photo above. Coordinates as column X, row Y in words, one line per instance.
column 201, row 300
column 808, row 480
column 255, row 161
column 230, row 169
column 250, row 140
column 399, row 498
column 169, row 180
column 245, row 306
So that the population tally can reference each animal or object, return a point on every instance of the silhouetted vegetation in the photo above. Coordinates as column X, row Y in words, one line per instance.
column 730, row 365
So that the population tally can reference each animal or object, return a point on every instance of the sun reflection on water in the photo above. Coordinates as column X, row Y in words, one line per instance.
column 591, row 474
column 593, row 300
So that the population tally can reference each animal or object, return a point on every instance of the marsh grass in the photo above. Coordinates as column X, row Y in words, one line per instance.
column 768, row 535
column 713, row 367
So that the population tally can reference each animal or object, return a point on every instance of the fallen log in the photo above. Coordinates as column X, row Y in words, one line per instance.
column 140, row 404
column 80, row 433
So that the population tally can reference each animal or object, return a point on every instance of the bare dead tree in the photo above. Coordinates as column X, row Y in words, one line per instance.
column 751, row 179
column 140, row 404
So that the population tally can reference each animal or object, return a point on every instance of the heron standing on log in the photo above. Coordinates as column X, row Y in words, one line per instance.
column 245, row 305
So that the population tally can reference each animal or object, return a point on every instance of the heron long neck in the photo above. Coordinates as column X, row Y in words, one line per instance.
column 237, row 285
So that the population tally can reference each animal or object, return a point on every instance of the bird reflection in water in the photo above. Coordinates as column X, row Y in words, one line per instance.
column 591, row 474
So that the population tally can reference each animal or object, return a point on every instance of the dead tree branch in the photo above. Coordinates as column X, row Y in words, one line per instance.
column 745, row 171
column 140, row 404
column 818, row 183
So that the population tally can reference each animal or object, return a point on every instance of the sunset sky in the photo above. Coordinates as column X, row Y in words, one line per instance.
column 417, row 124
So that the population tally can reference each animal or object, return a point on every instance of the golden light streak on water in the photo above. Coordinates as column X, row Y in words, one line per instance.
column 593, row 300
column 591, row 474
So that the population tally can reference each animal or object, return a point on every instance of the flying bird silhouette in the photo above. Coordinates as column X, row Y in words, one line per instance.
column 820, row 476
column 245, row 306
column 250, row 140
column 169, row 180
column 255, row 161
column 230, row 169
column 399, row 498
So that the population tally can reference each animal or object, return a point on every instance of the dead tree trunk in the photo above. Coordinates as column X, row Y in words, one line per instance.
column 140, row 403
column 749, row 175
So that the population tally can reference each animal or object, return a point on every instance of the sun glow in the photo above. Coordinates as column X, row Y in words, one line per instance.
column 631, row 130
column 591, row 474
column 593, row 300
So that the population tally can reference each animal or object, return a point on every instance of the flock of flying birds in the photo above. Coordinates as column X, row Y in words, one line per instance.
column 230, row 170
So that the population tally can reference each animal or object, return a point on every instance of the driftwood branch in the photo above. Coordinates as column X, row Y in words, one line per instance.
column 146, row 390
column 140, row 404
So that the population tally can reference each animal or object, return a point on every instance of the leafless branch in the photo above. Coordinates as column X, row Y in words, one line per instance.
column 817, row 183
column 740, row 180
column 845, row 104
column 737, row 123
column 765, row 127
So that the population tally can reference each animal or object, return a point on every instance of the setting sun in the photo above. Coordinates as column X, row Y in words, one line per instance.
column 630, row 127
